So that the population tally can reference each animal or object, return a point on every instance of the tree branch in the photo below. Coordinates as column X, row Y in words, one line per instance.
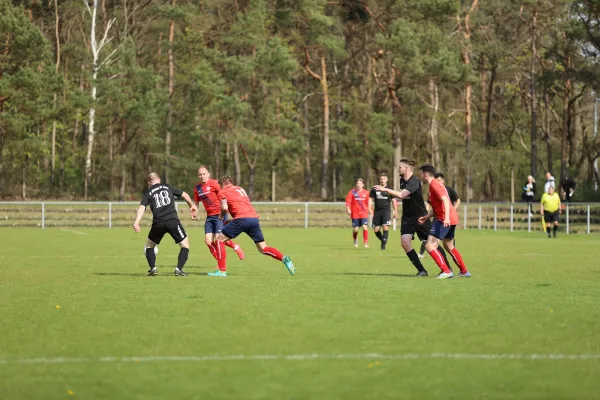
column 307, row 68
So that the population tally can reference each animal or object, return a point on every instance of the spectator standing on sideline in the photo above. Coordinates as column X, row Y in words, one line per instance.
column 529, row 193
column 568, row 187
column 549, row 182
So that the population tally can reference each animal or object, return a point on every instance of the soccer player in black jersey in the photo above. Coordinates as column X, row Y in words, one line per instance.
column 381, row 205
column 161, row 199
column 413, row 207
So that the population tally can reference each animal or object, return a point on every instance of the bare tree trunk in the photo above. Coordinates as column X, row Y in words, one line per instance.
column 325, row 163
column 325, row 89
column 111, row 175
column 547, row 133
column 490, row 101
column 575, row 127
column 565, row 130
column 170, row 102
column 236, row 163
column 533, row 94
column 96, row 48
column 57, row 38
column 217, row 156
column 433, row 128
column 466, row 55
column 24, row 178
column 307, row 166
column 397, row 144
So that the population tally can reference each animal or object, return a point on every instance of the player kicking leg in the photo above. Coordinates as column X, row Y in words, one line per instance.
column 251, row 227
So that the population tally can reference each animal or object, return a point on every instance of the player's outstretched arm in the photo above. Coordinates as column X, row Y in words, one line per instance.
column 191, row 205
column 402, row 194
column 138, row 218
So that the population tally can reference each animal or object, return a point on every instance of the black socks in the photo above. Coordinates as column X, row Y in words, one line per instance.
column 414, row 259
column 151, row 257
column 183, row 256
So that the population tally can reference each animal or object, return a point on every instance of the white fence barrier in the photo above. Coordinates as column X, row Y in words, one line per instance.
column 575, row 218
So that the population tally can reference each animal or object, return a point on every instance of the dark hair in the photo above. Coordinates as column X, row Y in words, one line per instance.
column 408, row 161
column 439, row 175
column 383, row 174
column 225, row 179
column 360, row 179
column 428, row 168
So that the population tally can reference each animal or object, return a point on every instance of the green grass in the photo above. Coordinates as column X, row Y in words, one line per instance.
column 528, row 295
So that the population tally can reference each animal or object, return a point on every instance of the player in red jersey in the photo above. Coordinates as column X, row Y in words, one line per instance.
column 357, row 206
column 245, row 220
column 444, row 225
column 206, row 191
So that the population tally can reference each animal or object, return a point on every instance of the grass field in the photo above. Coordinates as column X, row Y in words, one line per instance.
column 79, row 319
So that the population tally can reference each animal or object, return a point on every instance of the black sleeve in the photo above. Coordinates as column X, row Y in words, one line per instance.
column 145, row 200
column 534, row 187
column 176, row 191
column 453, row 195
column 412, row 185
column 372, row 194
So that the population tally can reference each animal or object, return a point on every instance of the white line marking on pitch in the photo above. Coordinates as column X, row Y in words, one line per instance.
column 77, row 232
column 301, row 357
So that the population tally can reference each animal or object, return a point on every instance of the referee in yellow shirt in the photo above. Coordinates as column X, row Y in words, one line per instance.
column 550, row 209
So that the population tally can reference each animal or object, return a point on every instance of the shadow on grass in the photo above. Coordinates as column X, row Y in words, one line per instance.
column 145, row 275
column 374, row 274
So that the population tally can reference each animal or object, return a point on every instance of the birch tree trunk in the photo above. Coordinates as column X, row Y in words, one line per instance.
column 433, row 129
column 96, row 48
column 170, row 103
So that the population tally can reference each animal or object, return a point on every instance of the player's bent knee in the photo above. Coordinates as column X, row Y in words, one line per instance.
column 185, row 243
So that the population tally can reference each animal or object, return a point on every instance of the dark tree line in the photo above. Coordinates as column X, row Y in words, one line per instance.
column 94, row 94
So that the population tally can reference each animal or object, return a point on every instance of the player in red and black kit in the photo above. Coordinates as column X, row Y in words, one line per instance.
column 357, row 206
column 235, row 201
column 444, row 225
column 207, row 192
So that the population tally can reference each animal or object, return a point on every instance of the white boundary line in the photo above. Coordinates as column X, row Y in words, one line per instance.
column 72, row 231
column 301, row 357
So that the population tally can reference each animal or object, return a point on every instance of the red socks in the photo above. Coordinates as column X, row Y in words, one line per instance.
column 439, row 260
column 221, row 255
column 229, row 243
column 213, row 250
column 272, row 252
column 365, row 236
column 458, row 260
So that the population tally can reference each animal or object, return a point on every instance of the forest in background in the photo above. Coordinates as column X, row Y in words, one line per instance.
column 303, row 95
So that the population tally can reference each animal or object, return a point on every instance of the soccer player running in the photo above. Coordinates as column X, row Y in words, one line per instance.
column 234, row 200
column 358, row 210
column 550, row 209
column 413, row 208
column 454, row 199
column 206, row 191
column 443, row 226
column 380, row 206
column 161, row 199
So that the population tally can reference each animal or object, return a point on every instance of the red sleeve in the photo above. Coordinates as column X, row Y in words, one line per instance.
column 439, row 190
column 196, row 197
column 349, row 199
column 222, row 195
column 217, row 186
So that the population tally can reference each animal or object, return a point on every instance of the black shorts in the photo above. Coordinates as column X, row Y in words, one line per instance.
column 173, row 227
column 550, row 217
column 410, row 227
column 382, row 217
